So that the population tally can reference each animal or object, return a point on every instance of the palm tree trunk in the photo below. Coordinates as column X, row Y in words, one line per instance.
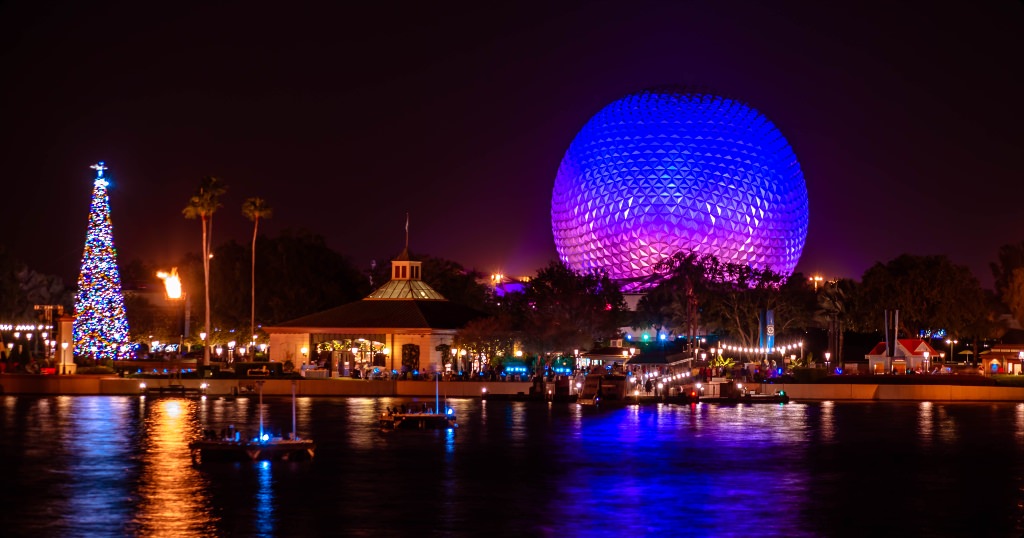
column 252, row 279
column 207, row 232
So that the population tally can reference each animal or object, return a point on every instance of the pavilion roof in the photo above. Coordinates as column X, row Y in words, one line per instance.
column 384, row 314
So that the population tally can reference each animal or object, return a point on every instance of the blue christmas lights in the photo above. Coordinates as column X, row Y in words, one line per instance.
column 100, row 329
column 668, row 171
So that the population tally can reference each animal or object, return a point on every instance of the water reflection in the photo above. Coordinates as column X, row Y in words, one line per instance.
column 925, row 417
column 947, row 426
column 117, row 466
column 827, row 424
column 171, row 495
column 265, row 516
column 98, row 456
column 1018, row 432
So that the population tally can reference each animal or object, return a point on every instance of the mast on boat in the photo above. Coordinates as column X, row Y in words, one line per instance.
column 261, row 409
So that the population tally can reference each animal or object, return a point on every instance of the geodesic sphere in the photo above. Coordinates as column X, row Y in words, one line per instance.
column 665, row 171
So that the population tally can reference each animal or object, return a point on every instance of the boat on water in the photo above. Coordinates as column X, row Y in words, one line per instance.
column 779, row 396
column 261, row 448
column 429, row 419
column 604, row 387
column 396, row 420
column 230, row 445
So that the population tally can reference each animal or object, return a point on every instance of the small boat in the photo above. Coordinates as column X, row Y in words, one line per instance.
column 604, row 388
column 394, row 419
column 257, row 449
column 780, row 396
column 418, row 421
column 230, row 446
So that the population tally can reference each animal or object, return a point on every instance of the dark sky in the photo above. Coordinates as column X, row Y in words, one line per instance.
column 907, row 119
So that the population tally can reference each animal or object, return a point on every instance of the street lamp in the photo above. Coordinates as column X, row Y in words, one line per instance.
column 63, row 357
column 828, row 356
column 926, row 361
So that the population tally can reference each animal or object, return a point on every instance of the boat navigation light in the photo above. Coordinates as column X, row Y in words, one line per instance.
column 265, row 438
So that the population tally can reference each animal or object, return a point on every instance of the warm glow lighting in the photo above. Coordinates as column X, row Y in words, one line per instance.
column 171, row 283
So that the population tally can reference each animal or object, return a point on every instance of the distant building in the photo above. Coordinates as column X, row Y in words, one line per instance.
column 911, row 354
column 1007, row 356
column 397, row 327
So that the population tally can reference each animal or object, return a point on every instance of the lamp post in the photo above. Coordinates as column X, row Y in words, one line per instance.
column 63, row 357
column 828, row 355
column 926, row 362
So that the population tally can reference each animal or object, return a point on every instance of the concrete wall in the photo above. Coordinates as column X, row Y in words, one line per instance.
column 108, row 385
column 897, row 392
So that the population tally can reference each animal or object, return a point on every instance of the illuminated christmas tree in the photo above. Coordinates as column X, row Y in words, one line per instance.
column 101, row 327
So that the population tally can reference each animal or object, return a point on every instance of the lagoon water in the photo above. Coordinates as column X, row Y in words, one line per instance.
column 119, row 466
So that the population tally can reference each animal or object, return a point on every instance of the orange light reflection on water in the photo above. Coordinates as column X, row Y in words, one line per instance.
column 172, row 495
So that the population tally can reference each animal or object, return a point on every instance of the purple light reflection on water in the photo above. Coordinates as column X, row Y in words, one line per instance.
column 114, row 466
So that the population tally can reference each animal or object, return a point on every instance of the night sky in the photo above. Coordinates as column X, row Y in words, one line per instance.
column 907, row 119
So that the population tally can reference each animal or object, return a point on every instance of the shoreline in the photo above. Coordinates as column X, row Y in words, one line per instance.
column 107, row 385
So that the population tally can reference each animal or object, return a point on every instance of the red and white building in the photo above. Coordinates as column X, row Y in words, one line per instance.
column 910, row 354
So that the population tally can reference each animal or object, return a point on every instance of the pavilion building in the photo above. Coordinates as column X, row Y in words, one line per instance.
column 403, row 326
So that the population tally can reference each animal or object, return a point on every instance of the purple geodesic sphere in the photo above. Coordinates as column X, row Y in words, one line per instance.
column 665, row 171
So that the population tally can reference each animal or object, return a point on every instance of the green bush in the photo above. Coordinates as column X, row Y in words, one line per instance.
column 95, row 370
column 1009, row 380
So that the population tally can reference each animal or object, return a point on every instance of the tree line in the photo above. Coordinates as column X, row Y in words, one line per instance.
column 275, row 279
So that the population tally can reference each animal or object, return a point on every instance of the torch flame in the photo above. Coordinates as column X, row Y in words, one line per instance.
column 172, row 283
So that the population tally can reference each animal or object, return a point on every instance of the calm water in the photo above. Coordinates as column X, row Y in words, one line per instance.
column 119, row 466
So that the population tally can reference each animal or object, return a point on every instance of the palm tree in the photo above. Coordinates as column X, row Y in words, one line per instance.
column 202, row 205
column 255, row 209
